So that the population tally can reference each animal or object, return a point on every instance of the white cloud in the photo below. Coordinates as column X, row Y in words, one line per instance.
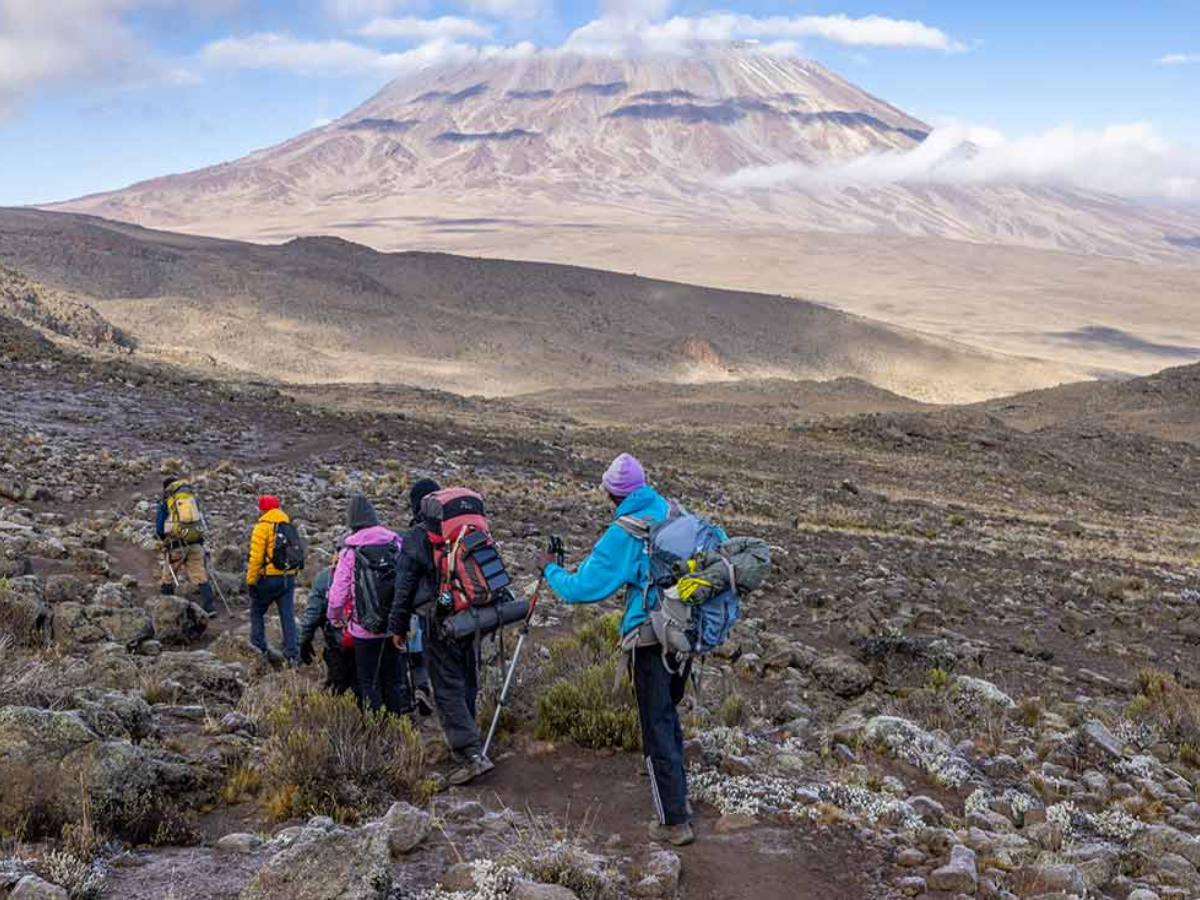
column 1130, row 160
column 652, row 10
column 269, row 50
column 1178, row 59
column 50, row 44
column 282, row 52
column 508, row 9
column 411, row 28
column 625, row 31
column 364, row 9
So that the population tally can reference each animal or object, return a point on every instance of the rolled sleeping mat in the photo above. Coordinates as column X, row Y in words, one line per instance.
column 484, row 619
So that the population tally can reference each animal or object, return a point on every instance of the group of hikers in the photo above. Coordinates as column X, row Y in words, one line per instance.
column 402, row 614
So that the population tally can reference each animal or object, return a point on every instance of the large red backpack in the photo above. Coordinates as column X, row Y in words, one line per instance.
column 468, row 563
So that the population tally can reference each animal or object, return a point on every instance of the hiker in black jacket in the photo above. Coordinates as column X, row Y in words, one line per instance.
column 453, row 666
column 340, row 672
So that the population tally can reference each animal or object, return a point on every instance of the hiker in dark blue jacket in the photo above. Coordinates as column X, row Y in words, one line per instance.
column 619, row 560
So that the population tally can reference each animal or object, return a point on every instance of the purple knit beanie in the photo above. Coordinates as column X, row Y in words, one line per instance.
column 624, row 476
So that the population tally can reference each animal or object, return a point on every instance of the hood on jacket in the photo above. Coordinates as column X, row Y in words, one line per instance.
column 366, row 537
column 274, row 516
column 361, row 514
column 641, row 502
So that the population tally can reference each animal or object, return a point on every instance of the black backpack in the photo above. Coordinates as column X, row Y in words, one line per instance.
column 375, row 569
column 288, row 555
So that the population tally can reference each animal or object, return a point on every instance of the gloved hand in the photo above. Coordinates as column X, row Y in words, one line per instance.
column 252, row 590
column 306, row 653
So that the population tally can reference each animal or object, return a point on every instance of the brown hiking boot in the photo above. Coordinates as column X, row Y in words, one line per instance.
column 675, row 835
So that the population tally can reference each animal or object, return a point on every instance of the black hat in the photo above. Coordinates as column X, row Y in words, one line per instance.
column 361, row 513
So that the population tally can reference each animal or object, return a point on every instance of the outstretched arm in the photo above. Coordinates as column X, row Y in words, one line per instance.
column 599, row 576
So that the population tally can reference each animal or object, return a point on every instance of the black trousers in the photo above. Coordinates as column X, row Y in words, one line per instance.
column 454, row 671
column 658, row 693
column 382, row 676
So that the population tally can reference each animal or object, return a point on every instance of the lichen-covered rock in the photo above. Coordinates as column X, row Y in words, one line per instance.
column 44, row 756
column 340, row 864
column 658, row 875
column 405, row 827
column 201, row 675
column 842, row 675
column 176, row 620
column 76, row 624
column 114, row 714
column 531, row 890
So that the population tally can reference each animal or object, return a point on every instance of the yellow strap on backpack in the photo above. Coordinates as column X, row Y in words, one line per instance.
column 688, row 586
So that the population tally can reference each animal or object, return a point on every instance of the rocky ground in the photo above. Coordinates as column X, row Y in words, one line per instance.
column 972, row 672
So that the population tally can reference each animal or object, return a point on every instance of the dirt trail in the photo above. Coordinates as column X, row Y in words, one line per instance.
column 606, row 791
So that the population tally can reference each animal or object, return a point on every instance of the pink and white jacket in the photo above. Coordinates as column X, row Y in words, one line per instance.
column 340, row 605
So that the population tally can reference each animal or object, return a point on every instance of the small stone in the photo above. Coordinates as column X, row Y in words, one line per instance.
column 239, row 842
column 1142, row 894
column 910, row 858
column 406, row 828
column 928, row 809
column 459, row 877
column 659, row 875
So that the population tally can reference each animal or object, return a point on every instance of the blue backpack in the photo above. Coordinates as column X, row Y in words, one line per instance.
column 681, row 627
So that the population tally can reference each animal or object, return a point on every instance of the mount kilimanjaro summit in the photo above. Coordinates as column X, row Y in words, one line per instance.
column 556, row 139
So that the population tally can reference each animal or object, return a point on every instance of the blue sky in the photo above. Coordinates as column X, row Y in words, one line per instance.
column 95, row 94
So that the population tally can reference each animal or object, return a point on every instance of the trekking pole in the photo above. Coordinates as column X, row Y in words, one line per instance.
column 208, row 567
column 556, row 547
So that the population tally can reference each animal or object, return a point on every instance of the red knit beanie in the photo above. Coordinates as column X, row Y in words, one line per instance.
column 266, row 502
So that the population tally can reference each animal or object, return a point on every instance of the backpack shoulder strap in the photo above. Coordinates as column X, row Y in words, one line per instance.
column 635, row 527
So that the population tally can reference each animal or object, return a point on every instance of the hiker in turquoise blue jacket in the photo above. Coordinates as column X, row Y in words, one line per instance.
column 618, row 561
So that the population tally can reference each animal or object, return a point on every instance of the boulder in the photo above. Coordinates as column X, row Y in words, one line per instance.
column 1158, row 840
column 44, row 756
column 76, row 624
column 1036, row 880
column 340, row 864
column 66, row 589
column 33, row 888
column 1096, row 743
column 176, row 620
column 113, row 714
column 202, row 676
column 24, row 611
column 960, row 875
column 842, row 675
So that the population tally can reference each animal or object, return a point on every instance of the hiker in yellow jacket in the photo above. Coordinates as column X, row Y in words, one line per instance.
column 267, row 584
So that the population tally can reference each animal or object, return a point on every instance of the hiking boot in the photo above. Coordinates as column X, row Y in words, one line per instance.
column 470, row 770
column 274, row 657
column 675, row 835
column 424, row 701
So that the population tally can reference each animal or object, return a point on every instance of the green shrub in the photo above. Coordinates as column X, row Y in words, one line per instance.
column 733, row 711
column 326, row 757
column 586, row 710
column 578, row 702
